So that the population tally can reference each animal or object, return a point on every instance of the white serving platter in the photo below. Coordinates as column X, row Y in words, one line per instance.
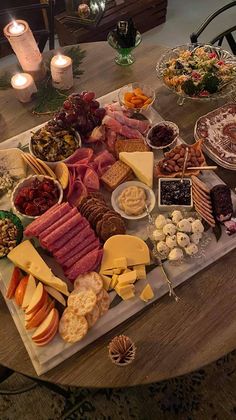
column 46, row 358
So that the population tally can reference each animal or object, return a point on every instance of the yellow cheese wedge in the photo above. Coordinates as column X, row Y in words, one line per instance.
column 141, row 271
column 147, row 293
column 141, row 163
column 27, row 258
column 134, row 249
column 127, row 278
column 106, row 281
column 114, row 281
column 121, row 262
column 57, row 295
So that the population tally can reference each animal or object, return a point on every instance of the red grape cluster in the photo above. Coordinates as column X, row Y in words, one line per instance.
column 81, row 112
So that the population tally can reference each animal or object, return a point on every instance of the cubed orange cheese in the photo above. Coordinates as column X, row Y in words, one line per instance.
column 106, row 281
column 114, row 281
column 127, row 278
column 141, row 271
column 147, row 293
column 107, row 272
column 127, row 295
column 117, row 271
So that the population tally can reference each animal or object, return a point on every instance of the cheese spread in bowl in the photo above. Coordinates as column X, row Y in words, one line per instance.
column 130, row 199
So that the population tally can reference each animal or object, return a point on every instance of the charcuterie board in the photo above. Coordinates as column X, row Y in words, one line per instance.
column 47, row 357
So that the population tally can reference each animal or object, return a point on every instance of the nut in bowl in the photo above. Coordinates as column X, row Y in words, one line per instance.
column 34, row 195
column 131, row 198
column 163, row 134
column 136, row 97
column 52, row 144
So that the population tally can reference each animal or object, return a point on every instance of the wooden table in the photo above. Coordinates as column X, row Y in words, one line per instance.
column 171, row 338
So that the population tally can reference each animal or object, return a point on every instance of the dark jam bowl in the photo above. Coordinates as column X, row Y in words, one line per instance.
column 163, row 134
column 174, row 194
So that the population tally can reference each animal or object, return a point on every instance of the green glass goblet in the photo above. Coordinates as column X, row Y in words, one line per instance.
column 124, row 55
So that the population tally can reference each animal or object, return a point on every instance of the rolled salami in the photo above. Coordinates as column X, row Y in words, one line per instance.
column 84, row 265
column 78, row 242
column 51, row 218
column 80, row 254
column 70, row 234
column 58, row 223
column 50, row 239
column 32, row 225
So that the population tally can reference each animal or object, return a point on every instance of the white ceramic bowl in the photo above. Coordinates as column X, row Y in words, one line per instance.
column 53, row 164
column 163, row 124
column 25, row 183
column 151, row 199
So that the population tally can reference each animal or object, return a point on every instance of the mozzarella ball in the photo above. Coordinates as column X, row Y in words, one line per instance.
column 163, row 249
column 160, row 221
column 196, row 237
column 158, row 235
column 175, row 254
column 190, row 219
column 183, row 239
column 176, row 216
column 184, row 226
column 169, row 229
column 171, row 241
column 191, row 249
column 197, row 226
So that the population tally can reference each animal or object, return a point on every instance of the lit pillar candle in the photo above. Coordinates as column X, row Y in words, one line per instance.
column 24, row 86
column 61, row 70
column 25, row 47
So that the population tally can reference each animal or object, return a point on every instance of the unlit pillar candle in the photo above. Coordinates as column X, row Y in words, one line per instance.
column 25, row 47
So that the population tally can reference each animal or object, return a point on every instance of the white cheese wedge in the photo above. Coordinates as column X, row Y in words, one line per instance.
column 141, row 163
column 27, row 258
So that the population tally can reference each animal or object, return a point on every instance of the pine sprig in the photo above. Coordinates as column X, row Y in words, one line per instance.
column 48, row 99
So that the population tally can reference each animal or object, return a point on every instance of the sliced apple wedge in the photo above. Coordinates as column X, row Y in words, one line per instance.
column 49, row 336
column 13, row 283
column 39, row 316
column 47, row 325
column 20, row 290
column 38, row 299
column 29, row 291
column 57, row 295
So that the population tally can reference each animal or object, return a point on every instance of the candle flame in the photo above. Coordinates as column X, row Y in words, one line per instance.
column 19, row 80
column 60, row 60
column 16, row 28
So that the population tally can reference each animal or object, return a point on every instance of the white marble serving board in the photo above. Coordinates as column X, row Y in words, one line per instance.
column 45, row 358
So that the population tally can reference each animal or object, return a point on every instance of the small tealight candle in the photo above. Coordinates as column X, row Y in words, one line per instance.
column 24, row 86
column 16, row 28
column 61, row 70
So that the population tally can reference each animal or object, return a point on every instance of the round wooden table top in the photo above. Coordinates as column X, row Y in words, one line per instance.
column 171, row 338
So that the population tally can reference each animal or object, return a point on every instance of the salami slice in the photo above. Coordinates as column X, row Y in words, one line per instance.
column 50, row 239
column 70, row 234
column 50, row 219
column 58, row 223
column 78, row 242
column 84, row 265
column 32, row 225
column 80, row 254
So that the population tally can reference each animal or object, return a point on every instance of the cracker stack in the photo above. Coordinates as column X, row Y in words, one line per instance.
column 202, row 200
column 130, row 145
column 119, row 172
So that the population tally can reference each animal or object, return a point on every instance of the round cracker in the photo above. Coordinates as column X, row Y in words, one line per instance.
column 62, row 174
column 103, row 302
column 93, row 316
column 92, row 281
column 82, row 301
column 72, row 327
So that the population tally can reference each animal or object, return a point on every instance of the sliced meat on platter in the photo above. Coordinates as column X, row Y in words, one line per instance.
column 69, row 235
column 111, row 138
column 50, row 239
column 141, row 125
column 78, row 242
column 71, row 240
column 78, row 191
column 46, row 220
column 82, row 155
column 121, row 129
column 80, row 254
column 88, row 263
column 103, row 160
column 62, row 220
